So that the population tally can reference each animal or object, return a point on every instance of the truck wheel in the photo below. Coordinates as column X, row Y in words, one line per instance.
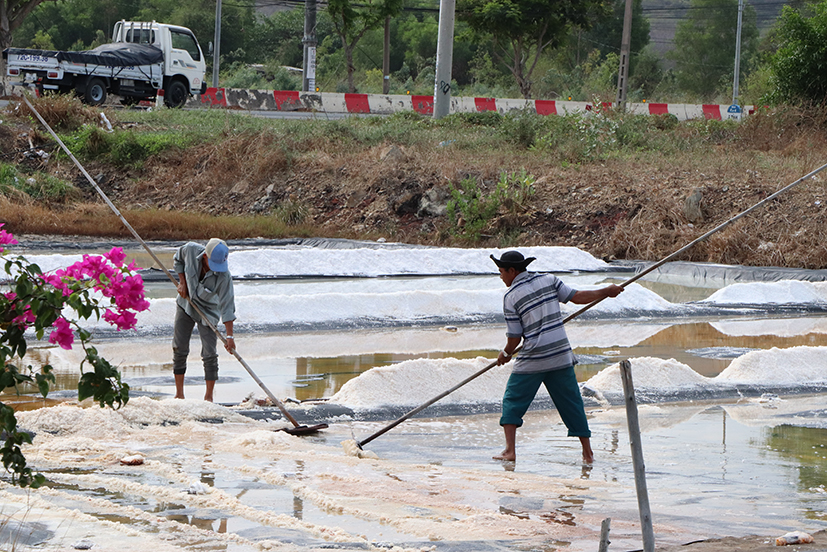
column 95, row 92
column 176, row 95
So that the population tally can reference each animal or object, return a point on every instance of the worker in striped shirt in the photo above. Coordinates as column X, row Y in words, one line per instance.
column 532, row 316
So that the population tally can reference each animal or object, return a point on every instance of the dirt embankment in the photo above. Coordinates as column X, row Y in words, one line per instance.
column 637, row 208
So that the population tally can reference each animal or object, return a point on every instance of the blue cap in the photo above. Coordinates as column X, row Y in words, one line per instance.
column 217, row 253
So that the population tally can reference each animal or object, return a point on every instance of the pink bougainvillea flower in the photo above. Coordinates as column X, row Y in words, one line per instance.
column 10, row 296
column 129, row 294
column 24, row 320
column 124, row 320
column 62, row 334
column 116, row 256
column 6, row 238
column 58, row 282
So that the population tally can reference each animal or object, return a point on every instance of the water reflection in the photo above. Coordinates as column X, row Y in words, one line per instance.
column 806, row 447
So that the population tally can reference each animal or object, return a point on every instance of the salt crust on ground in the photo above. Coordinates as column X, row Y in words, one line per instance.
column 422, row 501
column 92, row 421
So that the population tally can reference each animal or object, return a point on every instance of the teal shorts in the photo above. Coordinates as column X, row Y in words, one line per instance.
column 563, row 389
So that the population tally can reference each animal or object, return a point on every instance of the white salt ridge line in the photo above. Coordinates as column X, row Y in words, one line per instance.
column 369, row 262
column 763, row 293
column 401, row 307
column 157, row 351
column 414, row 382
column 379, row 262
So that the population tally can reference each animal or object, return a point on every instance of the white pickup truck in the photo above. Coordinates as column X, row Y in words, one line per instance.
column 142, row 59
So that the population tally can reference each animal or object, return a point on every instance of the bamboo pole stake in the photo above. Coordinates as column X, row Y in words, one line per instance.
column 604, row 535
column 637, row 457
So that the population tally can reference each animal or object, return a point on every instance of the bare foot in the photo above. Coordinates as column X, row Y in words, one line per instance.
column 179, row 396
column 208, row 398
column 506, row 456
column 588, row 459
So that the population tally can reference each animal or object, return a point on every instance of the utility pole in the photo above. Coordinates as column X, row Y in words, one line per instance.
column 737, row 53
column 386, row 58
column 444, row 58
column 216, row 51
column 309, row 47
column 625, row 51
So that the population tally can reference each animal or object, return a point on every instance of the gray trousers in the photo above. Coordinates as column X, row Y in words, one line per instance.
column 182, row 332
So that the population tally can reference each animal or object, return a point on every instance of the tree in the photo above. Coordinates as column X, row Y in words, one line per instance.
column 72, row 24
column 37, row 302
column 352, row 21
column 12, row 15
column 797, row 68
column 705, row 45
column 520, row 30
column 607, row 33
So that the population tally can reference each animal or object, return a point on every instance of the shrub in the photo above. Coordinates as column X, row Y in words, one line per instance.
column 292, row 212
column 470, row 210
column 99, row 286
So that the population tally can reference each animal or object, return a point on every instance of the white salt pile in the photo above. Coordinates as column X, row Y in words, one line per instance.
column 761, row 293
column 634, row 298
column 413, row 382
column 791, row 366
column 649, row 373
column 785, row 367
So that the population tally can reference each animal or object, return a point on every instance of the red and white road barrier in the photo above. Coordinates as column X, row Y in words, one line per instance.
column 380, row 104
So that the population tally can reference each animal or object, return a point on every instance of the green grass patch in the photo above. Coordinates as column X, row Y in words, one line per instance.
column 37, row 185
column 122, row 148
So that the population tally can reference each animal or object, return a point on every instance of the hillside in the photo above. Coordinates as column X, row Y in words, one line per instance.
column 636, row 191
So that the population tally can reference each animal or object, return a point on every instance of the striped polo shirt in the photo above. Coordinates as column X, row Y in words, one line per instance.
column 532, row 311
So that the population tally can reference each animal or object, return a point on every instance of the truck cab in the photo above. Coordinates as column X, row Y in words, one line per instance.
column 184, row 65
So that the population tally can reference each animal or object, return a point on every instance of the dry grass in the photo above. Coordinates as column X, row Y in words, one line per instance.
column 60, row 111
column 98, row 220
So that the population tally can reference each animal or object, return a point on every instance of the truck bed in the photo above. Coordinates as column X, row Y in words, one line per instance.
column 120, row 54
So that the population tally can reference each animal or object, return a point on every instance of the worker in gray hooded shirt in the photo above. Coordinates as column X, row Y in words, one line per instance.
column 204, row 278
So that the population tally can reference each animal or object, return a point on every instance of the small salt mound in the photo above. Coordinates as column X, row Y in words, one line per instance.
column 791, row 366
column 634, row 298
column 648, row 373
column 413, row 382
column 264, row 440
column 351, row 448
column 760, row 293
column 66, row 419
